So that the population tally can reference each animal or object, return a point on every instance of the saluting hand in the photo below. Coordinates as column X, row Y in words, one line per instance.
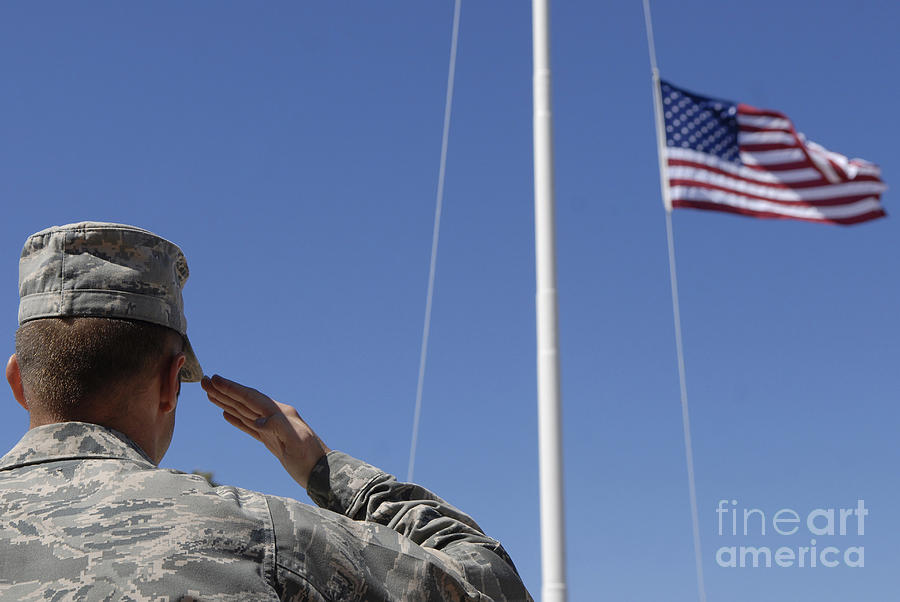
column 277, row 425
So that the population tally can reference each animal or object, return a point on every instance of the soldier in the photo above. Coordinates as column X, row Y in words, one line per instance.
column 86, row 514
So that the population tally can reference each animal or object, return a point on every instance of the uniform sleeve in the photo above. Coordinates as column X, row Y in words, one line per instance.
column 375, row 538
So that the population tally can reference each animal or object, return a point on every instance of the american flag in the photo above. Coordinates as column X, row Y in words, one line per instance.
column 732, row 157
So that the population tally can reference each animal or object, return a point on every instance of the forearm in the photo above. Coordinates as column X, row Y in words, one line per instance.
column 345, row 485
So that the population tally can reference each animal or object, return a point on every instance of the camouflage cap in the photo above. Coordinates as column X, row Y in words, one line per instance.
column 102, row 270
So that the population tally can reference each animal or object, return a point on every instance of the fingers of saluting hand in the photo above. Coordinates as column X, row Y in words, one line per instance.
column 232, row 407
column 235, row 412
column 242, row 424
column 238, row 400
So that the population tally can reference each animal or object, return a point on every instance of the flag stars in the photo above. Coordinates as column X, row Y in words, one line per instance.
column 699, row 123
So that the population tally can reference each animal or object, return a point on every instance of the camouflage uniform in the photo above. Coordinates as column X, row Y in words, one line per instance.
column 85, row 515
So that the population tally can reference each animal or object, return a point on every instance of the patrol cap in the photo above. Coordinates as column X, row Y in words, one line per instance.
column 103, row 270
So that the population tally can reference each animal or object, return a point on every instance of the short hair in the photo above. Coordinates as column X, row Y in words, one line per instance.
column 69, row 364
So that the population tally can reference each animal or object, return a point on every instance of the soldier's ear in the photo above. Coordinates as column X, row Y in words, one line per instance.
column 14, row 378
column 170, row 384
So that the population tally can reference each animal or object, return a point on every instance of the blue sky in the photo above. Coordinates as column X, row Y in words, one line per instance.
column 292, row 151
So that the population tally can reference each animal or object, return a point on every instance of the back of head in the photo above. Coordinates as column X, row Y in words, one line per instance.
column 83, row 368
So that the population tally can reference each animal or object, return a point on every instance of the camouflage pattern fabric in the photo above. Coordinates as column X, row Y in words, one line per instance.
column 86, row 515
column 104, row 270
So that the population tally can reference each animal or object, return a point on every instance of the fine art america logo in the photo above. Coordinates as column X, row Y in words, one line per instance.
column 816, row 530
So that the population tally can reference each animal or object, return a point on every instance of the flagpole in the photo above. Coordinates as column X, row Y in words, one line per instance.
column 553, row 549
column 676, row 312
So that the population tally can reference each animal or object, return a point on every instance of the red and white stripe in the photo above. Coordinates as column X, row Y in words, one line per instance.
column 781, row 175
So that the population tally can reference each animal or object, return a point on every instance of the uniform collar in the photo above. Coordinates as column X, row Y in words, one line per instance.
column 72, row 440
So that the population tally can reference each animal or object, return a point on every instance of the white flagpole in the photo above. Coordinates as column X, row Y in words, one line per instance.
column 673, row 277
column 553, row 547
